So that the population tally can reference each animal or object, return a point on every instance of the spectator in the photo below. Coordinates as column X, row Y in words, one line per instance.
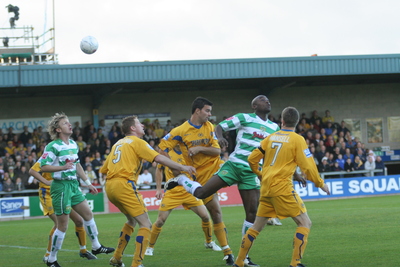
column 329, row 128
column 10, row 134
column 330, row 144
column 98, row 147
column 369, row 165
column 90, row 173
column 24, row 175
column 77, row 127
column 43, row 137
column 336, row 153
column 349, row 167
column 324, row 136
column 337, row 168
column 145, row 179
column 115, row 136
column 317, row 139
column 317, row 125
column 169, row 126
column 104, row 127
column 379, row 164
column 101, row 136
column 303, row 126
column 92, row 139
column 24, row 136
column 358, row 164
column 8, row 186
column 328, row 118
column 40, row 151
column 3, row 145
column 343, row 148
column 87, row 162
column 30, row 145
column 331, row 160
column 348, row 155
column 324, row 166
column 314, row 117
column 370, row 153
column 11, row 173
column 361, row 155
column 80, row 143
column 304, row 116
column 97, row 162
column 343, row 128
column 19, row 185
column 321, row 153
column 10, row 148
column 340, row 161
column 148, row 133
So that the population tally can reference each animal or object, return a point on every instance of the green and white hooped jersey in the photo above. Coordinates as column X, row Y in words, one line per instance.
column 57, row 153
column 251, row 130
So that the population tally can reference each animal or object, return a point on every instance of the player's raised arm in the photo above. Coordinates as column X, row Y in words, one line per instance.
column 173, row 165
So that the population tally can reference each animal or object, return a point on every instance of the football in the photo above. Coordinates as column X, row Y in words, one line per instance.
column 89, row 45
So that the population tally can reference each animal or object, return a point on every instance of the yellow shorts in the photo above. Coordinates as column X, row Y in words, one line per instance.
column 281, row 206
column 122, row 193
column 172, row 200
column 45, row 200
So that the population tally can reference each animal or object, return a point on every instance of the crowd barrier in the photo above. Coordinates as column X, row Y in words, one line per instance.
column 29, row 206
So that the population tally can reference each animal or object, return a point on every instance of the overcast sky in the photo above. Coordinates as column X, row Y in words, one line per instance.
column 132, row 30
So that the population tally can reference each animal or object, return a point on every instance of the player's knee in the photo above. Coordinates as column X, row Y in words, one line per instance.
column 78, row 223
column 159, row 223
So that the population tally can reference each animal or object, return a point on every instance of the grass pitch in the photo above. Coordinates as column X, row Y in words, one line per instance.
column 355, row 232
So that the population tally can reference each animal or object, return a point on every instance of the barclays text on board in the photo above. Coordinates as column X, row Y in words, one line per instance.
column 32, row 123
column 357, row 186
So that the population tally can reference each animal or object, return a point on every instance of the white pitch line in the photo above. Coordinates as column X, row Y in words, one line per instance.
column 44, row 249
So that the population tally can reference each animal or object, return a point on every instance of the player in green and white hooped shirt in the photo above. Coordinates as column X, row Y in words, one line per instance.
column 60, row 158
column 251, row 129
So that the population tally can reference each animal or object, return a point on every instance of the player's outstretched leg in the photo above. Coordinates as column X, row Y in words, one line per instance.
column 189, row 185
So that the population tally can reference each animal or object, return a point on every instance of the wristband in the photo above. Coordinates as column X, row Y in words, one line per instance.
column 88, row 182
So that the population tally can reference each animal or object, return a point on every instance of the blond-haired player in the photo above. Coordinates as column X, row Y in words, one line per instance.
column 122, row 169
column 173, row 199
column 45, row 181
column 60, row 158
column 282, row 152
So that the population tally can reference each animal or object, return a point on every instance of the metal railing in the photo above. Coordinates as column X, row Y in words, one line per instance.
column 343, row 173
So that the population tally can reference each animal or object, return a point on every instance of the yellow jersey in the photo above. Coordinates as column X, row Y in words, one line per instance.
column 189, row 135
column 125, row 158
column 45, row 175
column 282, row 152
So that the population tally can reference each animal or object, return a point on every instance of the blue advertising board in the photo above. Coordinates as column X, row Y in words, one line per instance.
column 14, row 207
column 351, row 187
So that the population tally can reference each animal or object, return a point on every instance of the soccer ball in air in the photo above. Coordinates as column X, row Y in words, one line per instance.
column 89, row 45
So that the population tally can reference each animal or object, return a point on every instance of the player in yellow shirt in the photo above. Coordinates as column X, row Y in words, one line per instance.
column 201, row 150
column 122, row 169
column 282, row 152
column 173, row 199
column 45, row 181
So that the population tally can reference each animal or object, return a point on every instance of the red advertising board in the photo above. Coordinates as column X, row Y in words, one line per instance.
column 227, row 196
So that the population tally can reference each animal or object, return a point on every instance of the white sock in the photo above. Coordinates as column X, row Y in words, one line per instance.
column 91, row 230
column 56, row 241
column 189, row 185
column 246, row 226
